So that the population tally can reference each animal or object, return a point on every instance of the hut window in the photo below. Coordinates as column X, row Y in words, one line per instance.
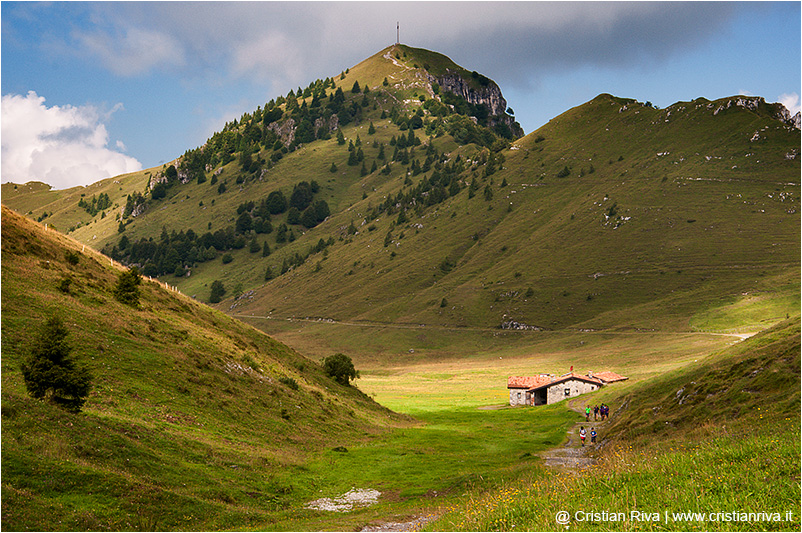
column 568, row 392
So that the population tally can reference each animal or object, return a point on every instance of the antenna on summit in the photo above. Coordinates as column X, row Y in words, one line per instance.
column 397, row 33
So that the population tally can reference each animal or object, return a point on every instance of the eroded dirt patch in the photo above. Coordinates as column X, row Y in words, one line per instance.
column 346, row 502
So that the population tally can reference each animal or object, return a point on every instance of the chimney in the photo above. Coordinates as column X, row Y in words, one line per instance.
column 590, row 373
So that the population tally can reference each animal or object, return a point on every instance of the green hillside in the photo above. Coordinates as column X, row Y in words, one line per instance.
column 614, row 215
column 194, row 421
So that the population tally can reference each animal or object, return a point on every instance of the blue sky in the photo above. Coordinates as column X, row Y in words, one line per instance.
column 91, row 90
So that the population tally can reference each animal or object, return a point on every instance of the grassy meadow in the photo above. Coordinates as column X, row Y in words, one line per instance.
column 171, row 440
column 659, row 244
column 696, row 449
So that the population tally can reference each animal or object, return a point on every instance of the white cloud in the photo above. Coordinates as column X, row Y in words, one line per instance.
column 790, row 101
column 61, row 146
column 268, row 56
column 135, row 52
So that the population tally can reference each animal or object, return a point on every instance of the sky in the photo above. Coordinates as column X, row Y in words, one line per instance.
column 96, row 89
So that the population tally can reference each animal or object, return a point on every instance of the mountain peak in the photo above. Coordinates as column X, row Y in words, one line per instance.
column 416, row 72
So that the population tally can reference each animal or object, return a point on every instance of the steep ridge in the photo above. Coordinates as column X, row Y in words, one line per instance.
column 189, row 409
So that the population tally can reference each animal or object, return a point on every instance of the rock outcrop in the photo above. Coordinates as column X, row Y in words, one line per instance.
column 755, row 103
column 489, row 94
column 285, row 131
column 331, row 124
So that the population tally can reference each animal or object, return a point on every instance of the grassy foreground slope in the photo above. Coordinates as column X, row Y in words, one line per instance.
column 707, row 447
column 195, row 420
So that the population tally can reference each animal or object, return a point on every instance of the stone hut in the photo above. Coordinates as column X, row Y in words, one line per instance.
column 519, row 387
column 545, row 389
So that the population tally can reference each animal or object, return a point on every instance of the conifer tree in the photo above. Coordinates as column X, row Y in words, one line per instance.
column 217, row 292
column 127, row 289
column 49, row 371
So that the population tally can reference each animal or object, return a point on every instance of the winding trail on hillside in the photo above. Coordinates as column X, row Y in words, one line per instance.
column 395, row 325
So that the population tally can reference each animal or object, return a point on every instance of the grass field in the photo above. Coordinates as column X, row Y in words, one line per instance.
column 712, row 446
column 627, row 238
column 170, row 439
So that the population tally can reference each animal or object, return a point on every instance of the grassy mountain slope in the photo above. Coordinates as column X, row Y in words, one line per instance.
column 613, row 215
column 714, row 446
column 194, row 420
column 686, row 235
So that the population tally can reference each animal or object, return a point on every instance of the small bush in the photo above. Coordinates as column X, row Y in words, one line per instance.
column 72, row 257
column 290, row 382
column 64, row 285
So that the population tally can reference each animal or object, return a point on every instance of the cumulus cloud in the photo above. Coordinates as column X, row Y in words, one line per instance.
column 61, row 146
column 790, row 101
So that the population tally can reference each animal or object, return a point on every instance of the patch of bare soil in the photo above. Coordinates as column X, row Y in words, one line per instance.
column 346, row 502
column 413, row 524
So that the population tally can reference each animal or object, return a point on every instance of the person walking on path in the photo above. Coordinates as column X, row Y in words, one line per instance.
column 595, row 412
column 582, row 435
column 593, row 435
column 587, row 413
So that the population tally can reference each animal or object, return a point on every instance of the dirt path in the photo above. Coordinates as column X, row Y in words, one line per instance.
column 572, row 455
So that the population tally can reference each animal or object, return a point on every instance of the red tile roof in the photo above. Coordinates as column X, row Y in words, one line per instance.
column 609, row 377
column 541, row 380
column 519, row 382
column 582, row 377
column 566, row 377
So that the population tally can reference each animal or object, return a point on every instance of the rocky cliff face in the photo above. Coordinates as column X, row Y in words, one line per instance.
column 488, row 94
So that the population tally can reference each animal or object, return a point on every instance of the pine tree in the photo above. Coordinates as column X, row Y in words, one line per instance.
column 51, row 374
column 217, row 292
column 127, row 289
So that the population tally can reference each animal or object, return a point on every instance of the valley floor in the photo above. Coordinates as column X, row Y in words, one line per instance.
column 440, row 380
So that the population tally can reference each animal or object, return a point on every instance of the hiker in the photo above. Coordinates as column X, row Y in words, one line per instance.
column 606, row 412
column 595, row 412
column 582, row 434
column 587, row 413
column 593, row 435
